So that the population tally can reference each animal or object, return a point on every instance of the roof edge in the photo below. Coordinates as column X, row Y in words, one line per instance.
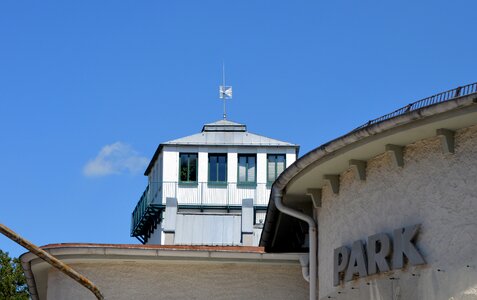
column 352, row 137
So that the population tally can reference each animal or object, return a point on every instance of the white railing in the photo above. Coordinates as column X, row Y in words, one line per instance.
column 209, row 194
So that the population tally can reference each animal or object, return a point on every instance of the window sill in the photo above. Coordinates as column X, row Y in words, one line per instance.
column 246, row 184
column 217, row 184
column 188, row 183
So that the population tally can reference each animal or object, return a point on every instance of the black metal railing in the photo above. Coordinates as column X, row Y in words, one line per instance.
column 140, row 209
column 438, row 98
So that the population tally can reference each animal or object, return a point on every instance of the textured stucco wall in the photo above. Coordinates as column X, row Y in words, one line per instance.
column 180, row 280
column 436, row 190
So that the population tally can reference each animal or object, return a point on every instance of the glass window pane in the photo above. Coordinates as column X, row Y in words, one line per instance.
column 251, row 173
column 280, row 167
column 213, row 173
column 222, row 172
column 242, row 172
column 222, row 159
column 251, row 169
column 280, row 164
column 193, row 167
column 223, row 168
column 184, row 168
column 212, row 167
column 271, row 171
column 212, row 161
column 251, row 161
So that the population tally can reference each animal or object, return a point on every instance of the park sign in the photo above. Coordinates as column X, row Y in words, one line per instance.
column 381, row 255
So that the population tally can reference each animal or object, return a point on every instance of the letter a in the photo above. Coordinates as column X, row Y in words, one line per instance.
column 377, row 258
column 357, row 262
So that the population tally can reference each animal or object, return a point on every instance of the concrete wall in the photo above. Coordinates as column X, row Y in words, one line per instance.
column 182, row 280
column 436, row 190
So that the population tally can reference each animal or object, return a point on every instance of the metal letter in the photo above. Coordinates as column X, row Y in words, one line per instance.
column 340, row 262
column 403, row 245
column 377, row 257
column 357, row 262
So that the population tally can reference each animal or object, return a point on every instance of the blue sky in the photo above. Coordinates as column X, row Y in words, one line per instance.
column 88, row 89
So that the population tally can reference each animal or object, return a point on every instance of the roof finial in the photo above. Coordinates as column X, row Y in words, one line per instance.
column 225, row 92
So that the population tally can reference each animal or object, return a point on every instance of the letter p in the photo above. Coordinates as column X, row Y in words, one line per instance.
column 340, row 263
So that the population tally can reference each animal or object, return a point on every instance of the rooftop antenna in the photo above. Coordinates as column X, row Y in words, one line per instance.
column 225, row 92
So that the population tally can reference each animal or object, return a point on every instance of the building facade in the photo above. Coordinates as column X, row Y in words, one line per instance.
column 387, row 211
column 210, row 188
column 392, row 205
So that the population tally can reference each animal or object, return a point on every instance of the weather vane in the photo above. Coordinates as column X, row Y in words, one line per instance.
column 225, row 92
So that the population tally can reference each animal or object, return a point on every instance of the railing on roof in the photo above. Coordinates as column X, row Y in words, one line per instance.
column 438, row 98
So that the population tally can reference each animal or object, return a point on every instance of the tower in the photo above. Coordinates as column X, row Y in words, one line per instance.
column 210, row 188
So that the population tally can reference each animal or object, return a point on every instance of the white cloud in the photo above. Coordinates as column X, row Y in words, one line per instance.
column 117, row 158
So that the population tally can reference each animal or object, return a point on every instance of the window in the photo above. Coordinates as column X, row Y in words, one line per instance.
column 246, row 169
column 217, row 168
column 275, row 166
column 188, row 167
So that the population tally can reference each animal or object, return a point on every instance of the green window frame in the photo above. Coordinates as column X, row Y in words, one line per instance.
column 217, row 168
column 276, row 164
column 247, row 169
column 188, row 167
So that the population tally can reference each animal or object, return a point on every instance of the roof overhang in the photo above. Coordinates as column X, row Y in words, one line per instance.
column 364, row 144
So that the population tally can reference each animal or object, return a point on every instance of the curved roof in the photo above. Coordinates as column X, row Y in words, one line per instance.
column 402, row 127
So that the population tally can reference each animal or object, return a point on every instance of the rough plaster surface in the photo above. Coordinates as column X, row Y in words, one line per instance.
column 180, row 280
column 436, row 190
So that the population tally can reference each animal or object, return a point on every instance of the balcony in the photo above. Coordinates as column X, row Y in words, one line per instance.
column 196, row 195
column 145, row 215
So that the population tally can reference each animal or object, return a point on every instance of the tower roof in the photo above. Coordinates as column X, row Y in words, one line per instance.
column 222, row 133
column 227, row 133
column 224, row 125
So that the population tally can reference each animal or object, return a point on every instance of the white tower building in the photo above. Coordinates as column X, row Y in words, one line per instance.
column 210, row 188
